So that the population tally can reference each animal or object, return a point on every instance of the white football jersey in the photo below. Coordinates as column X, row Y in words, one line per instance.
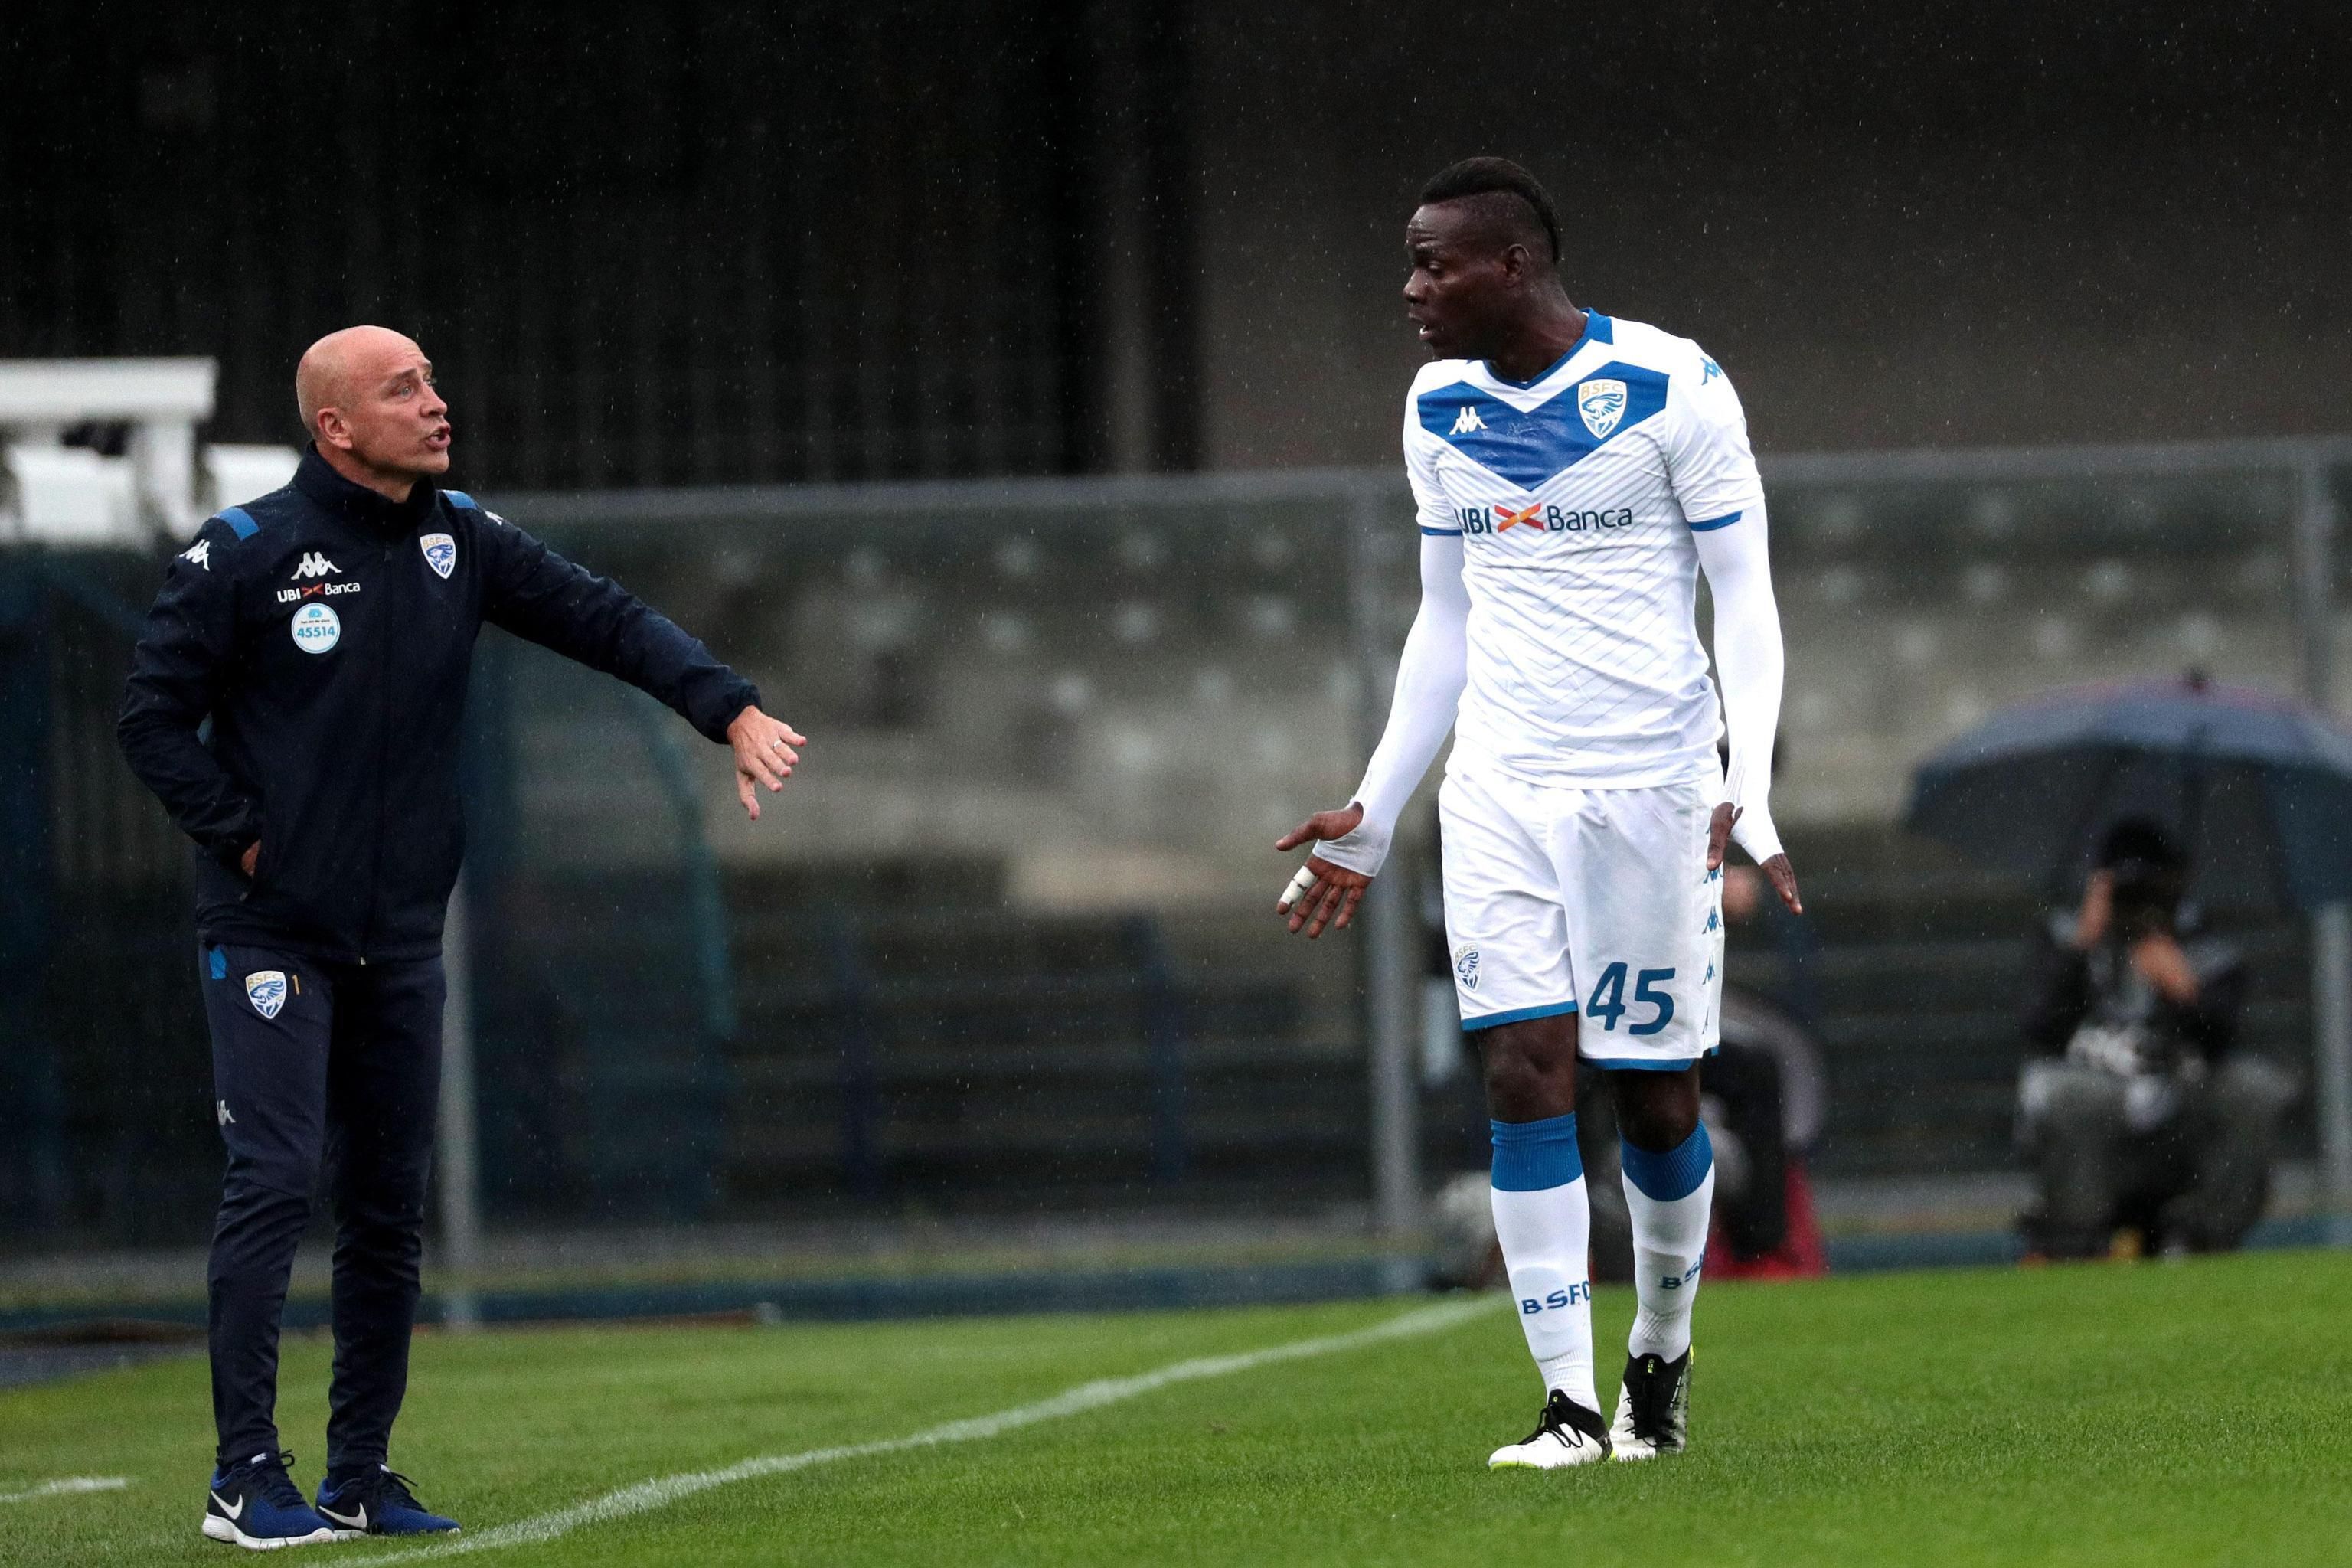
column 1575, row 495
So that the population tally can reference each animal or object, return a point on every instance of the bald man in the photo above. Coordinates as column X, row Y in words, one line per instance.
column 325, row 632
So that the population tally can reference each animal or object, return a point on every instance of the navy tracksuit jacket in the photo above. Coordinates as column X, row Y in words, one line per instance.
column 301, row 683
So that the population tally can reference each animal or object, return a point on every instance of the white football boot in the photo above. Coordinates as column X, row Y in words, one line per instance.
column 1654, row 1407
column 1567, row 1434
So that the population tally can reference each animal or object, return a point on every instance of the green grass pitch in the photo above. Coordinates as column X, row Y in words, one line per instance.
column 2198, row 1413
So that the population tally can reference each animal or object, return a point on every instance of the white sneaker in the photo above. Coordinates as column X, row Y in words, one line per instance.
column 1653, row 1408
column 1567, row 1434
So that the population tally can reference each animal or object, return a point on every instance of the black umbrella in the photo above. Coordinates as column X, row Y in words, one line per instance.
column 2257, row 790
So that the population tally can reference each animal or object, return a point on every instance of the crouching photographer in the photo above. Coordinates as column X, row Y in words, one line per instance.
column 2144, row 1116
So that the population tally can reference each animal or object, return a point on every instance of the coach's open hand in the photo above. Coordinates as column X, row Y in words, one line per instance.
column 763, row 755
column 1335, row 891
column 1782, row 875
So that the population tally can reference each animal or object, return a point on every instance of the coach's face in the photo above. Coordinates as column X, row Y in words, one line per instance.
column 1464, row 290
column 388, row 413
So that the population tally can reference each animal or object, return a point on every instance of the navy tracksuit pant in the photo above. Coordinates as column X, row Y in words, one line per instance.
column 333, row 1069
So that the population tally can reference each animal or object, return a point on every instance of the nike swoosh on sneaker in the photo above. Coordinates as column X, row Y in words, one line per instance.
column 355, row 1520
column 233, row 1513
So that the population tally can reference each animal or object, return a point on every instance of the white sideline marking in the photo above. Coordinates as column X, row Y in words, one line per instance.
column 646, row 1496
column 66, row 1484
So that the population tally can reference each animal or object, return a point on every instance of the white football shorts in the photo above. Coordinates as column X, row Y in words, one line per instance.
column 1593, row 901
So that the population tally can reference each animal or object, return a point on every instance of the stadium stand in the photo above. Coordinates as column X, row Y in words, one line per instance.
column 1007, row 944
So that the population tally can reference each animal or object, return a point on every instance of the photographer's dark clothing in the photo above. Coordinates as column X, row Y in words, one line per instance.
column 2066, row 989
column 2136, row 1112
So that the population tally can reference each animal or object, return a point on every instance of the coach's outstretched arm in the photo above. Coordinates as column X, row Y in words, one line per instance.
column 1429, row 676
column 534, row 592
column 1748, row 664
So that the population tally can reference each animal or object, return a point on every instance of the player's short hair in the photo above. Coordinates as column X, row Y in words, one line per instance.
column 1526, row 206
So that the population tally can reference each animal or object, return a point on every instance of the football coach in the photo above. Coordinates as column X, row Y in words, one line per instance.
column 295, row 703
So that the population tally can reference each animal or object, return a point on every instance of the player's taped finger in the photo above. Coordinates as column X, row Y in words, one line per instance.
column 1302, row 913
column 1298, row 887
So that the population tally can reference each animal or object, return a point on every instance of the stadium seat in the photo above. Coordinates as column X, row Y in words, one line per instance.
column 234, row 474
column 72, row 495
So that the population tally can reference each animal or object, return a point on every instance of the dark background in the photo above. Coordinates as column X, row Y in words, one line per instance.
column 710, row 242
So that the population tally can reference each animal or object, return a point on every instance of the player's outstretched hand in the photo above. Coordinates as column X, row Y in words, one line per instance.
column 1777, row 870
column 764, row 754
column 1321, row 893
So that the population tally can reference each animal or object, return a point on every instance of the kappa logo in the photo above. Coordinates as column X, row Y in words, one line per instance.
column 1602, row 405
column 1710, row 373
column 314, row 565
column 440, row 553
column 221, row 1111
column 266, row 989
column 201, row 553
column 1466, row 965
column 1467, row 421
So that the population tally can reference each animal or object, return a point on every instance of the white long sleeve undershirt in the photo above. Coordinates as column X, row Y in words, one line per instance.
column 1430, row 675
column 1436, row 664
column 1749, row 663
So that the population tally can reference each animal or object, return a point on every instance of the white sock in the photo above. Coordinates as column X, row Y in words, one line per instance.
column 1545, row 1227
column 1669, row 1195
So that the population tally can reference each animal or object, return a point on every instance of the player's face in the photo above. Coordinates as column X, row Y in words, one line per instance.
column 1458, row 294
column 393, row 416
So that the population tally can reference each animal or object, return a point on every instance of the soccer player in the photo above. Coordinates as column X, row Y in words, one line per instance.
column 295, row 705
column 1574, row 474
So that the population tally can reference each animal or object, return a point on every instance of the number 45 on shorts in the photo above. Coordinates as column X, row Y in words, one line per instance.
column 1608, row 1004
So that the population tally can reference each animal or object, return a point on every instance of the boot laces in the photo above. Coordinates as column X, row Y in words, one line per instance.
column 267, row 1473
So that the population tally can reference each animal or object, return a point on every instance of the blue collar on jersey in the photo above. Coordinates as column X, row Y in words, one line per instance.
column 1530, row 446
column 1596, row 330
